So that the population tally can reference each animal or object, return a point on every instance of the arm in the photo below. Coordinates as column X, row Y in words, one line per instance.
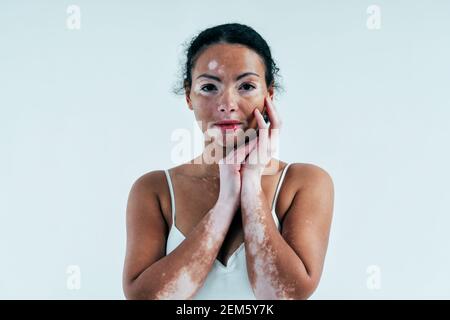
column 148, row 273
column 288, row 265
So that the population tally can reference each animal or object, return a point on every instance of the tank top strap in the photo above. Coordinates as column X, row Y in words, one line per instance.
column 172, row 196
column 275, row 198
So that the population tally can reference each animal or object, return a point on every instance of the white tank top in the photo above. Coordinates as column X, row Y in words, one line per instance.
column 223, row 282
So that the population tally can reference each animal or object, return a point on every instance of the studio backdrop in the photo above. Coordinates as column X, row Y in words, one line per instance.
column 87, row 106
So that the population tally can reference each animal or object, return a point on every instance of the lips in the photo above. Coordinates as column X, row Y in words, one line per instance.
column 228, row 124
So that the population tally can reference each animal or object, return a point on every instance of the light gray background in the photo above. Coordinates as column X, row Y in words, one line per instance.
column 86, row 112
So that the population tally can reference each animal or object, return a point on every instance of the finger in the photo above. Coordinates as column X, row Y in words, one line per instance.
column 254, row 156
column 264, row 137
column 272, row 112
column 249, row 147
column 260, row 120
column 274, row 139
column 263, row 131
column 239, row 154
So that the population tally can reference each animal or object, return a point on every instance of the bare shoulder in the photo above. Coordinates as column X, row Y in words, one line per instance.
column 307, row 175
column 151, row 189
column 149, row 180
column 148, row 184
column 305, row 183
column 311, row 195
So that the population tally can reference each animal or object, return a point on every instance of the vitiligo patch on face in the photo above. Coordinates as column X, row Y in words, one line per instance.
column 221, row 70
column 198, row 89
column 212, row 65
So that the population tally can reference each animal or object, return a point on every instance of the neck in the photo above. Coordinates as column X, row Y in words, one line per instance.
column 206, row 164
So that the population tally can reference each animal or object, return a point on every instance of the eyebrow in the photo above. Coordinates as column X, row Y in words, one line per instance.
column 209, row 76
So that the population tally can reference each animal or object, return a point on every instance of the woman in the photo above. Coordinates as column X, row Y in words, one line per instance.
column 241, row 225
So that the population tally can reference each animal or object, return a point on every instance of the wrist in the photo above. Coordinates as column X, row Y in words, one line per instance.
column 227, row 201
column 251, row 182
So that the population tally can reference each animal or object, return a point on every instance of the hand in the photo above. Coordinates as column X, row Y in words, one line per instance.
column 230, row 175
column 268, row 141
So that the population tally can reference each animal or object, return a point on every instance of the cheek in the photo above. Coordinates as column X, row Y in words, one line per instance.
column 254, row 100
column 203, row 114
column 257, row 94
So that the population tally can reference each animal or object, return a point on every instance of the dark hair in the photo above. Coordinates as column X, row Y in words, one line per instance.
column 231, row 33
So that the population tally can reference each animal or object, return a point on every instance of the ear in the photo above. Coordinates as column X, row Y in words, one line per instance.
column 270, row 92
column 188, row 97
column 188, row 101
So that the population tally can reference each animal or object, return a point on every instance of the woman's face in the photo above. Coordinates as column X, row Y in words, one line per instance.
column 228, row 83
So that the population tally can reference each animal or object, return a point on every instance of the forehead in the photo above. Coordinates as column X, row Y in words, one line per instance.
column 230, row 58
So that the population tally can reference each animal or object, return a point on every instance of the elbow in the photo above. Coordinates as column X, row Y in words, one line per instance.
column 131, row 294
column 300, row 289
column 304, row 288
column 133, row 291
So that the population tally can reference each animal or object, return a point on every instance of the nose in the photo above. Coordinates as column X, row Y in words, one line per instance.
column 227, row 102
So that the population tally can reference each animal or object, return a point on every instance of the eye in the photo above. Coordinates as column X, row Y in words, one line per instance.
column 248, row 86
column 208, row 87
